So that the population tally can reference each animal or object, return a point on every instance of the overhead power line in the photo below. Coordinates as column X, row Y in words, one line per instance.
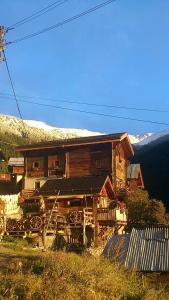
column 94, row 113
column 89, row 103
column 13, row 89
column 37, row 14
column 61, row 23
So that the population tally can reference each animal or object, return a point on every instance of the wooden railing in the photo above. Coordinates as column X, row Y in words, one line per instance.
column 35, row 173
column 27, row 193
column 106, row 214
column 56, row 172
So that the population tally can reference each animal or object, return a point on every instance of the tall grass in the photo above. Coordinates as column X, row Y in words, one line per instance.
column 60, row 275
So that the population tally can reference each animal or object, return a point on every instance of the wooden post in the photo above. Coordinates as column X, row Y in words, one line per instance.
column 67, row 165
column 2, row 33
column 114, row 166
column 95, row 199
column 44, row 235
column 84, row 228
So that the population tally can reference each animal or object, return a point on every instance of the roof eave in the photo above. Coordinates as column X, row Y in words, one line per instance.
column 66, row 145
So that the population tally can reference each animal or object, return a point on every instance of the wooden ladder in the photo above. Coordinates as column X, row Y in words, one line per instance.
column 51, row 214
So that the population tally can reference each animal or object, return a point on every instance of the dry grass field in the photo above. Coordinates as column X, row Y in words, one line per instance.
column 26, row 273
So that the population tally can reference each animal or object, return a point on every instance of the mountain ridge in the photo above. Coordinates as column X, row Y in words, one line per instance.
column 37, row 131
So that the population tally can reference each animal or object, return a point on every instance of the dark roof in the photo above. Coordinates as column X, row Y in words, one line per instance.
column 74, row 141
column 10, row 188
column 73, row 186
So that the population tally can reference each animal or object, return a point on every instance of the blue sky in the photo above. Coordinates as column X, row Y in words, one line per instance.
column 118, row 55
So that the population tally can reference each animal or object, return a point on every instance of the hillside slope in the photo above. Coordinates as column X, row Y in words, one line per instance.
column 154, row 160
column 12, row 133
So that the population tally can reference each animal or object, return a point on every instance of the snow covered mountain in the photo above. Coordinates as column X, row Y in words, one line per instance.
column 39, row 131
column 139, row 140
column 148, row 138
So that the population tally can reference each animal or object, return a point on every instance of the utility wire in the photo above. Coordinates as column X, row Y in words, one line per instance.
column 89, row 103
column 13, row 89
column 37, row 14
column 61, row 23
column 94, row 113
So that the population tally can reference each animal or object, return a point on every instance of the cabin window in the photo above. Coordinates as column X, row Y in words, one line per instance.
column 35, row 165
column 74, row 203
column 56, row 164
column 37, row 185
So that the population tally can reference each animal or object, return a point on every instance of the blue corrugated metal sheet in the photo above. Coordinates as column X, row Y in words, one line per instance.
column 149, row 250
column 116, row 247
column 142, row 250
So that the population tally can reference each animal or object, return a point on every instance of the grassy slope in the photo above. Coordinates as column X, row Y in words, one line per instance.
column 56, row 275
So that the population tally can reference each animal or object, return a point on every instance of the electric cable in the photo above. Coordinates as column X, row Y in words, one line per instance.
column 61, row 23
column 94, row 113
column 88, row 103
column 38, row 14
column 15, row 97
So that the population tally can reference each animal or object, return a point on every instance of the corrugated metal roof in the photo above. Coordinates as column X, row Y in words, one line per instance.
column 16, row 161
column 116, row 247
column 143, row 250
column 149, row 250
column 133, row 171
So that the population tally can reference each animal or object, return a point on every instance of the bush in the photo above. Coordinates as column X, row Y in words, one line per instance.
column 144, row 211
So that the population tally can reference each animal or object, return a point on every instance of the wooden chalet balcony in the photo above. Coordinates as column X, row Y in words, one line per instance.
column 26, row 193
column 55, row 172
column 35, row 173
column 106, row 214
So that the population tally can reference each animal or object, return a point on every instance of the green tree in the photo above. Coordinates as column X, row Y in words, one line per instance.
column 143, row 210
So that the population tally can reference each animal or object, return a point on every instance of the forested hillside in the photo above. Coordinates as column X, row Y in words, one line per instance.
column 154, row 160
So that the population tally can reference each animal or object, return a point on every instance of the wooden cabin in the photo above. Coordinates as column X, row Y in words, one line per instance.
column 77, row 157
column 85, row 175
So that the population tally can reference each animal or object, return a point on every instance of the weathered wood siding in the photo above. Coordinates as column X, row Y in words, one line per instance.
column 31, row 170
column 18, row 170
column 56, row 165
column 87, row 161
column 120, row 166
column 79, row 163
column 101, row 161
